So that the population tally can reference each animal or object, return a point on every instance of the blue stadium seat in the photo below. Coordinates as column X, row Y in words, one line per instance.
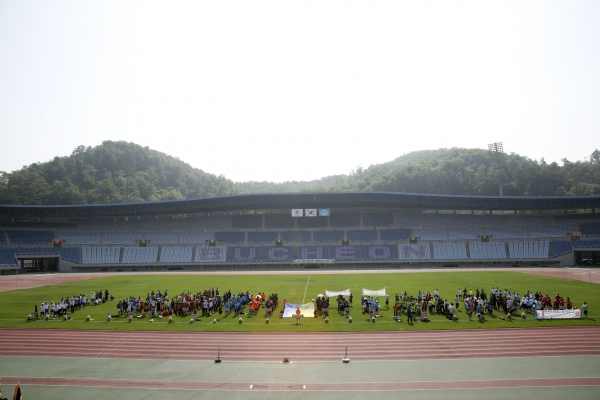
column 30, row 237
column 230, row 237
column 176, row 254
column 162, row 237
column 590, row 229
column 393, row 235
column 328, row 236
column 194, row 237
column 431, row 233
column 529, row 250
column 296, row 236
column 464, row 233
column 363, row 235
column 79, row 237
column 262, row 237
column 449, row 251
column 491, row 250
column 101, row 255
column 140, row 255
column 121, row 237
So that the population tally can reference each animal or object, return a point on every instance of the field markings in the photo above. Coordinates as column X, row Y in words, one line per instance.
column 306, row 289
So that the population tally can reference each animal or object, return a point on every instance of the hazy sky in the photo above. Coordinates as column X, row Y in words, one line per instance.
column 283, row 90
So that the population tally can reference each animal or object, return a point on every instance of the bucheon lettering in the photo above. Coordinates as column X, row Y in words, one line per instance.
column 278, row 253
column 244, row 253
column 346, row 252
column 418, row 250
column 379, row 252
column 312, row 252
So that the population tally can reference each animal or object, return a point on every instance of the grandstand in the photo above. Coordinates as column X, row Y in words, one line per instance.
column 366, row 230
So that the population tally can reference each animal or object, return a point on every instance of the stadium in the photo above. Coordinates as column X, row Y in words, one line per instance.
column 326, row 231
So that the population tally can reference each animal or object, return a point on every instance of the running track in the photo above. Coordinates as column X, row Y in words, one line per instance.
column 309, row 346
column 324, row 347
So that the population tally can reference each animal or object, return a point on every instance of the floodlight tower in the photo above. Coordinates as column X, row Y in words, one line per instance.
column 498, row 160
column 128, row 168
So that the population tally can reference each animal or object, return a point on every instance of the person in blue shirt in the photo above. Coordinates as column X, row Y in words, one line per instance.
column 584, row 307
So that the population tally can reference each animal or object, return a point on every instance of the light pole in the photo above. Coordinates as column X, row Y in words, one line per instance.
column 498, row 160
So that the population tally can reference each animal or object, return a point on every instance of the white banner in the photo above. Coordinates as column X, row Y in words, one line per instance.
column 310, row 212
column 297, row 212
column 557, row 314
column 333, row 294
column 368, row 292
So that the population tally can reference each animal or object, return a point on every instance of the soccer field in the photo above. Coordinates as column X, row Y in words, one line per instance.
column 297, row 289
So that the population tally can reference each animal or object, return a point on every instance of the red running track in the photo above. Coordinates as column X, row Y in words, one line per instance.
column 367, row 346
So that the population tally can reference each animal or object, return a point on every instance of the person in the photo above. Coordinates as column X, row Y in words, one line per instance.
column 395, row 309
column 584, row 307
column 409, row 313
column 298, row 312
column 387, row 301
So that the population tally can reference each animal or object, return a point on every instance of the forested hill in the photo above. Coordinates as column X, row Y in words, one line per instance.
column 459, row 172
column 94, row 175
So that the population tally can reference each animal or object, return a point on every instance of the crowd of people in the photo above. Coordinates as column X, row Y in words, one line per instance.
column 208, row 302
column 476, row 303
column 67, row 305
column 205, row 303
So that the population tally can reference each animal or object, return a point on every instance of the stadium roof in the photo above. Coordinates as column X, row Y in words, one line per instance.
column 306, row 200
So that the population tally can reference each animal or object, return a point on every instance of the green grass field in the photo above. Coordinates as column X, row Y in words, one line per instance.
column 16, row 305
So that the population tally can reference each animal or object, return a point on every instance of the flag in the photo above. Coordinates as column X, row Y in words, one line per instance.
column 324, row 212
column 310, row 212
column 297, row 212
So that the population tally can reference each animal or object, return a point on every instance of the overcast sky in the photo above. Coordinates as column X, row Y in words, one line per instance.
column 283, row 90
